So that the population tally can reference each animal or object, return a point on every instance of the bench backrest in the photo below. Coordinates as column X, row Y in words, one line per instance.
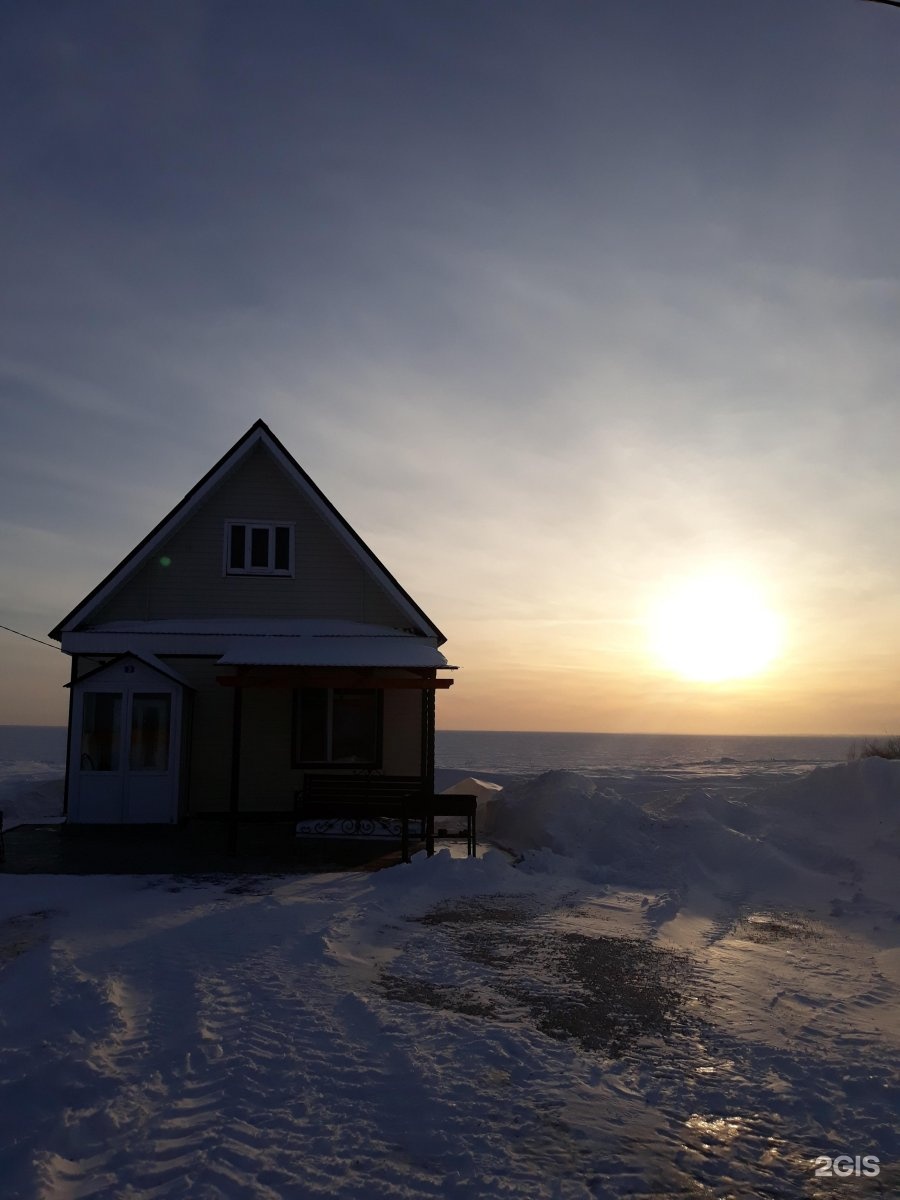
column 386, row 794
column 360, row 789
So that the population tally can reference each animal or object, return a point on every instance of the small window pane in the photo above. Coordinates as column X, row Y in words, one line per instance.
column 150, row 732
column 236, row 550
column 282, row 548
column 310, row 737
column 259, row 547
column 354, row 726
column 101, row 726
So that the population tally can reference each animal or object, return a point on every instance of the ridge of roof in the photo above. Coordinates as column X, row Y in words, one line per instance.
column 259, row 431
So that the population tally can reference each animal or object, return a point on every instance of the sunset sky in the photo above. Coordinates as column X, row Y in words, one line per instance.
column 564, row 306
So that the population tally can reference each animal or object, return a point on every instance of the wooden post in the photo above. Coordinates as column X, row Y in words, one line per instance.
column 234, row 796
column 73, row 678
column 428, row 717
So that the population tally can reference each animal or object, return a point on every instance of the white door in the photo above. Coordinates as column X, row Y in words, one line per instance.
column 125, row 749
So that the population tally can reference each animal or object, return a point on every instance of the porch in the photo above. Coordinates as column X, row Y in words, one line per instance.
column 150, row 744
column 361, row 745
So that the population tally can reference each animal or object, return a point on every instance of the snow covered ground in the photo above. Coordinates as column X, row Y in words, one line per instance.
column 30, row 792
column 32, row 770
column 695, row 995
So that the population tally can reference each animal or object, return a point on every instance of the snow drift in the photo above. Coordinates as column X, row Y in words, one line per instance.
column 837, row 820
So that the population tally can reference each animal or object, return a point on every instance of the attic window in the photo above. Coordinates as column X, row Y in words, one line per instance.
column 259, row 548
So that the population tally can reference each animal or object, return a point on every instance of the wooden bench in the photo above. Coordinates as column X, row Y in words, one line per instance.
column 362, row 803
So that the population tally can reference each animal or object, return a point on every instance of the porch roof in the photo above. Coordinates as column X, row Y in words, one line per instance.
column 149, row 660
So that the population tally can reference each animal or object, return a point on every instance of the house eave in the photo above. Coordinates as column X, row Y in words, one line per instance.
column 262, row 643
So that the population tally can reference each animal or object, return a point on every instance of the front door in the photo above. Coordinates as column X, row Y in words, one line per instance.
column 125, row 748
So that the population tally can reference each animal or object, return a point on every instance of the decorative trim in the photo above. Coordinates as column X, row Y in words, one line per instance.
column 344, row 827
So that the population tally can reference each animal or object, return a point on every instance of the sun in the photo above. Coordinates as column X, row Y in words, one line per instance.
column 714, row 628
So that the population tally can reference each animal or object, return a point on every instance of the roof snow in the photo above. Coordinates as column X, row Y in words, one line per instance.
column 331, row 651
column 254, row 627
column 262, row 641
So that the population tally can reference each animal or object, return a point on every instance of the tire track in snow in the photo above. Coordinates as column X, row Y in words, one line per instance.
column 222, row 1077
column 227, row 1056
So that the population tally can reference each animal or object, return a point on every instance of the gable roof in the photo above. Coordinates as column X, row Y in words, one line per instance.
column 258, row 434
column 148, row 660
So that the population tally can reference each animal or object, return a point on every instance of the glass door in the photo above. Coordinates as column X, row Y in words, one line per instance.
column 99, row 779
column 150, row 782
column 127, row 746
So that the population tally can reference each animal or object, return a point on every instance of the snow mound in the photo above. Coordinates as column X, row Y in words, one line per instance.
column 563, row 821
column 860, row 800
column 425, row 880
column 573, row 817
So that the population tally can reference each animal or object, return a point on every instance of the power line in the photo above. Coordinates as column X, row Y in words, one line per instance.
column 58, row 649
column 39, row 641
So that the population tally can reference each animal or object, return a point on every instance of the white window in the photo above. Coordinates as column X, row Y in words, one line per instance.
column 259, row 548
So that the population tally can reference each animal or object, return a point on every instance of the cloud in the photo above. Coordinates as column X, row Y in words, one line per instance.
column 553, row 306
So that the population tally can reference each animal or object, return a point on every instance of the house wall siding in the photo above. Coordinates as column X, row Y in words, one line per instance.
column 268, row 781
column 329, row 581
column 209, row 753
column 402, row 732
column 86, row 665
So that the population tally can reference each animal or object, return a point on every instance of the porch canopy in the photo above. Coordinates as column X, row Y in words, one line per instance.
column 277, row 651
column 321, row 659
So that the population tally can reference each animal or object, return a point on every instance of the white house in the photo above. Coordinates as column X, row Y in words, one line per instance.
column 250, row 640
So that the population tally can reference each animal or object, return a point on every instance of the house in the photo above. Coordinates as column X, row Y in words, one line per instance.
column 250, row 640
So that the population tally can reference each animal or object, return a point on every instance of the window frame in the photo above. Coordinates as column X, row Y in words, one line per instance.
column 250, row 524
column 329, row 764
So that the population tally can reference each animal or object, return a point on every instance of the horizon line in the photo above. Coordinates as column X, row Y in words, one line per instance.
column 582, row 732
